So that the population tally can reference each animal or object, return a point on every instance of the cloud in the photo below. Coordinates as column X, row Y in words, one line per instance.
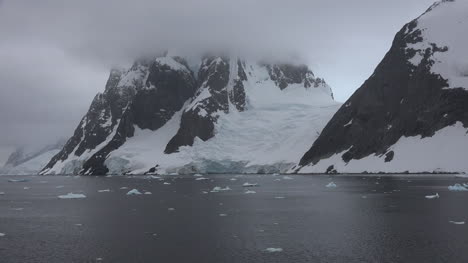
column 55, row 54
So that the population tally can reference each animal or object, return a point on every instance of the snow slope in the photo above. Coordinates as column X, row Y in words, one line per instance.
column 443, row 152
column 268, row 136
column 32, row 166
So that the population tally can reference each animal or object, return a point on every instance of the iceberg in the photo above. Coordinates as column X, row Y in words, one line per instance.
column 72, row 196
column 457, row 187
column 134, row 192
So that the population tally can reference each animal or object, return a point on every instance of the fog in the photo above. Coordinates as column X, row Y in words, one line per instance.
column 55, row 54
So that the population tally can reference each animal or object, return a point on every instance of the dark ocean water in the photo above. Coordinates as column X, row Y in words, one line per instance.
column 363, row 219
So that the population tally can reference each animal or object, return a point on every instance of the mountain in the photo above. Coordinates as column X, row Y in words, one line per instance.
column 411, row 115
column 27, row 160
column 179, row 114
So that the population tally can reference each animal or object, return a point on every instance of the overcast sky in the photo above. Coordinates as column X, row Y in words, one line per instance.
column 55, row 54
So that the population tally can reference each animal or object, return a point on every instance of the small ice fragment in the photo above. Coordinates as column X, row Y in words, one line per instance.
column 134, row 192
column 166, row 183
column 273, row 249
column 18, row 209
column 2, row 234
column 154, row 234
column 78, row 224
column 279, row 197
column 104, row 191
column 59, row 186
column 123, row 187
column 276, row 174
column 148, row 193
column 222, row 214
column 250, row 192
column 154, row 177
column 43, row 182
column 201, row 179
column 331, row 185
column 2, row 193
column 98, row 259
column 287, row 177
column 249, row 185
column 72, row 196
column 277, row 179
column 219, row 189
column 364, row 196
column 204, row 192
column 457, row 187
column 17, row 180
column 233, row 179
column 432, row 196
column 26, row 188
column 457, row 222
column 198, row 175
column 171, row 209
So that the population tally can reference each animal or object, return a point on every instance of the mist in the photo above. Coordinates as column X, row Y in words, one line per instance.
column 55, row 54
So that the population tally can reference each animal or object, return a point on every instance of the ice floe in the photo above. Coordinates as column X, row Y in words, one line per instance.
column 457, row 187
column 17, row 180
column 148, row 193
column 72, row 196
column 457, row 222
column 432, row 196
column 201, row 179
column 104, row 191
column 219, row 189
column 331, row 185
column 166, row 183
column 134, row 192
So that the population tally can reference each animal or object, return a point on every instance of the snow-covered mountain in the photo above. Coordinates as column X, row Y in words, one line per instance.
column 214, row 114
column 412, row 113
column 30, row 160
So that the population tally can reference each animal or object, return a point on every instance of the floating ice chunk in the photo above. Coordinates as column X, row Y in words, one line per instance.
column 457, row 222
column 154, row 177
column 171, row 209
column 432, row 196
column 198, row 175
column 233, row 179
column 2, row 234
column 17, row 180
column 123, row 187
column 364, row 196
column 166, row 183
column 287, row 177
column 331, row 185
column 72, row 196
column 78, row 224
column 277, row 179
column 222, row 214
column 59, row 186
column 279, row 197
column 204, row 192
column 249, row 185
column 219, row 189
column 250, row 192
column 134, row 192
column 457, row 187
column 43, row 182
column 273, row 249
column 26, row 188
column 148, row 193
column 276, row 174
column 18, row 209
column 2, row 193
column 104, row 191
column 201, row 179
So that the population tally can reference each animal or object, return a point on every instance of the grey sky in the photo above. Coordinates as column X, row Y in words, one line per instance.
column 55, row 54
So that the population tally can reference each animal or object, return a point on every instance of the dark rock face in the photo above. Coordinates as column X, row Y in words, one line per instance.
column 399, row 99
column 199, row 118
column 148, row 102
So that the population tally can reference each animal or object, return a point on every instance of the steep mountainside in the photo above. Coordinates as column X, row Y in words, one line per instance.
column 167, row 115
column 412, row 113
